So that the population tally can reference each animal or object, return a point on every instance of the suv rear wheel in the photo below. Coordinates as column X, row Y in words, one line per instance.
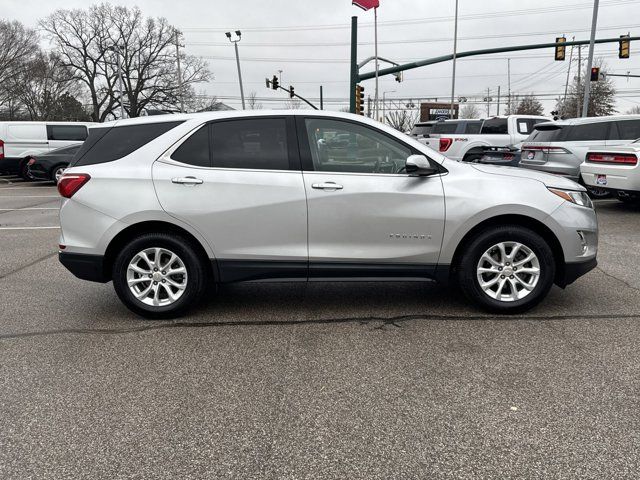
column 159, row 275
column 507, row 269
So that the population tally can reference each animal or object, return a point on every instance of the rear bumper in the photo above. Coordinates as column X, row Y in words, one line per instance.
column 84, row 266
column 10, row 165
column 573, row 271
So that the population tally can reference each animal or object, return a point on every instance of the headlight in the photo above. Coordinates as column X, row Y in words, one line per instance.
column 579, row 198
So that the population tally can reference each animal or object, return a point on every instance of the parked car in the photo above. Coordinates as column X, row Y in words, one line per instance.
column 493, row 132
column 20, row 141
column 50, row 166
column 448, row 127
column 422, row 129
column 614, row 169
column 508, row 156
column 560, row 147
column 164, row 205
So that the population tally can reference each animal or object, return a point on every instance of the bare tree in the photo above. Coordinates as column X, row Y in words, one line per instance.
column 90, row 41
column 45, row 89
column 634, row 110
column 402, row 120
column 18, row 46
column 82, row 39
column 252, row 102
column 470, row 110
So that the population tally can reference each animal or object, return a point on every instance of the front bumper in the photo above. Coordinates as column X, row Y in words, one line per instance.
column 573, row 271
column 85, row 266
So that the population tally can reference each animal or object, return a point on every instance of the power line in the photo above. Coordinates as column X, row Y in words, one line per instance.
column 477, row 16
column 408, row 41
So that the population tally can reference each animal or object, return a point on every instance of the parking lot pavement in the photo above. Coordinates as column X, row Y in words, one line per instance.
column 340, row 380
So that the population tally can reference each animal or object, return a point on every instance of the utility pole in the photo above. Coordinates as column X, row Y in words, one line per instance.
column 235, row 44
column 488, row 101
column 509, row 85
column 455, row 51
column 321, row 99
column 587, row 82
column 180, row 93
column 566, row 85
column 375, row 28
column 579, row 80
column 353, row 77
column 498, row 106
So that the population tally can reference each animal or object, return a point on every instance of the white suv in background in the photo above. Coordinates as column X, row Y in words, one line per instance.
column 560, row 147
column 163, row 205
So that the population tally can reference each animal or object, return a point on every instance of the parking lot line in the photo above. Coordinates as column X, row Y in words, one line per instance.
column 27, row 208
column 27, row 228
column 30, row 196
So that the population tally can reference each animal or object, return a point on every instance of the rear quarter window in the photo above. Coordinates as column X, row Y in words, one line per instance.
column 472, row 127
column 628, row 130
column 106, row 144
column 588, row 132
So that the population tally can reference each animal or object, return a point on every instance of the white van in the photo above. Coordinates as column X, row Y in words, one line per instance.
column 19, row 141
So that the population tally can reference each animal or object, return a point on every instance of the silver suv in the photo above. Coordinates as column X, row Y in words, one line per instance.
column 165, row 205
column 560, row 147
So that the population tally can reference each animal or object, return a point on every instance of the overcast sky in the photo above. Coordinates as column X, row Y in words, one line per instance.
column 309, row 41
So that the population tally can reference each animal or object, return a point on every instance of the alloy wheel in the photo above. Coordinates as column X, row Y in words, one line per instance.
column 157, row 277
column 508, row 271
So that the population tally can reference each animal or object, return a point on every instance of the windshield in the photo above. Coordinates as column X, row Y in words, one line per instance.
column 445, row 127
column 549, row 134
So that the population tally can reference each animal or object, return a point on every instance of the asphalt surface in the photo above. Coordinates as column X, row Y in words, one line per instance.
column 291, row 381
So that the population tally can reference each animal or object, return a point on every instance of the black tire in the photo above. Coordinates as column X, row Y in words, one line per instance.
column 52, row 173
column 197, row 274
column 468, row 263
column 472, row 158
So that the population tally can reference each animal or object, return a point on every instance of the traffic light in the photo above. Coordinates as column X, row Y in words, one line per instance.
column 359, row 100
column 560, row 48
column 291, row 92
column 624, row 47
column 595, row 74
column 268, row 82
column 274, row 82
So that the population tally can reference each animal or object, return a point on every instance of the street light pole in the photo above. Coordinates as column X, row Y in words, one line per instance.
column 235, row 44
column 455, row 48
column 587, row 81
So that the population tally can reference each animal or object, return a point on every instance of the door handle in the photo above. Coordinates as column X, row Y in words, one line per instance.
column 326, row 186
column 187, row 180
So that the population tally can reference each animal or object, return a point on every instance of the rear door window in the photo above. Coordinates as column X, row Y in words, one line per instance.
column 257, row 143
column 495, row 126
column 195, row 149
column 67, row 132
column 27, row 132
column 589, row 132
column 445, row 127
column 106, row 144
column 472, row 127
column 628, row 130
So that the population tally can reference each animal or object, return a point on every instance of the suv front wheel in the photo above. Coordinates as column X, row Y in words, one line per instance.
column 159, row 275
column 507, row 269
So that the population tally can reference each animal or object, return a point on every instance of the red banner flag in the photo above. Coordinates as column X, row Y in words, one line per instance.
column 366, row 4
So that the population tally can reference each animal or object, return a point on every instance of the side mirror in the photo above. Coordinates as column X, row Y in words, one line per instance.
column 419, row 165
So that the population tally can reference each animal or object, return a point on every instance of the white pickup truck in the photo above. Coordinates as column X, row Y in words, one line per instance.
column 495, row 132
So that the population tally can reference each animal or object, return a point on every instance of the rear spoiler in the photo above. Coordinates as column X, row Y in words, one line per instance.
column 547, row 126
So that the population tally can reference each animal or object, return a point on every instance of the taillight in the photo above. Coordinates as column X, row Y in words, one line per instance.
column 445, row 143
column 615, row 158
column 1, row 149
column 68, row 185
column 31, row 162
column 545, row 148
